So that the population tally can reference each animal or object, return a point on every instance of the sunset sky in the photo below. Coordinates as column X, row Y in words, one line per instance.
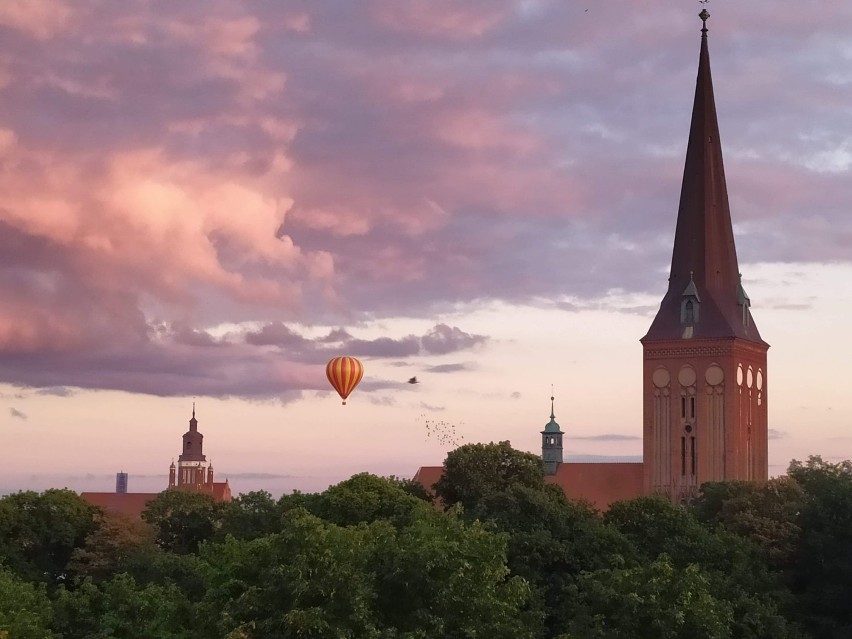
column 206, row 200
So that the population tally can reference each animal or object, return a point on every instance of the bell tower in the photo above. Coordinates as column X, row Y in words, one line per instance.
column 551, row 444
column 704, row 379
column 192, row 462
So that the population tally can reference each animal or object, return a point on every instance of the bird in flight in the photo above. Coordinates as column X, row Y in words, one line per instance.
column 413, row 380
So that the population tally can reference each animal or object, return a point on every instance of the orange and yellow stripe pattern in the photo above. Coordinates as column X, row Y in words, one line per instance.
column 344, row 373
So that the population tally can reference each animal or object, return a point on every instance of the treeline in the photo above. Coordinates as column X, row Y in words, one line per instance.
column 504, row 556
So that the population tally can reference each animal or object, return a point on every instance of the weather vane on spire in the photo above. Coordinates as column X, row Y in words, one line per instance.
column 704, row 15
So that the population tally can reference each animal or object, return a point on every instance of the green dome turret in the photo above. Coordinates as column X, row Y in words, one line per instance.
column 552, row 426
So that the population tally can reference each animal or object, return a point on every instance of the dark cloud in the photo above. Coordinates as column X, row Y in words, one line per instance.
column 336, row 335
column 277, row 334
column 14, row 412
column 777, row 434
column 56, row 391
column 515, row 395
column 443, row 339
column 451, row 368
column 430, row 407
column 384, row 347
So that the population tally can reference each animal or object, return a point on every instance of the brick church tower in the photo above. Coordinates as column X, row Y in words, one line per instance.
column 704, row 380
column 193, row 473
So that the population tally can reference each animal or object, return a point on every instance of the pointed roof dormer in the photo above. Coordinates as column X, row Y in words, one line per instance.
column 704, row 258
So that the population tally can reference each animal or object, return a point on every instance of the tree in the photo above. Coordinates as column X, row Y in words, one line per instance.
column 122, row 608
column 433, row 577
column 108, row 548
column 656, row 600
column 767, row 514
column 249, row 516
column 821, row 577
column 473, row 471
column 39, row 532
column 367, row 498
column 737, row 572
column 182, row 520
column 551, row 541
column 25, row 611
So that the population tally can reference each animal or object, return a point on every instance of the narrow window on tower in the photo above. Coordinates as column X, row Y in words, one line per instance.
column 694, row 457
column 683, row 456
column 683, row 407
column 692, row 407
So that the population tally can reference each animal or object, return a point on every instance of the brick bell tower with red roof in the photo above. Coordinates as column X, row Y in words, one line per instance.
column 704, row 380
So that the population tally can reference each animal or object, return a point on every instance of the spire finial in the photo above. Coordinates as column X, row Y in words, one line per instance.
column 704, row 15
column 552, row 414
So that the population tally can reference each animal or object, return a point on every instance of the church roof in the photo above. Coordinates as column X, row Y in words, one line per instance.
column 600, row 484
column 428, row 476
column 704, row 250
column 128, row 504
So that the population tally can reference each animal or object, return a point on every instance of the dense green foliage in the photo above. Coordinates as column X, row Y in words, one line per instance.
column 504, row 555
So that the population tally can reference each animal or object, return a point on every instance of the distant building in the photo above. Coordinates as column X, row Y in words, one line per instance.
column 121, row 482
column 193, row 474
column 704, row 362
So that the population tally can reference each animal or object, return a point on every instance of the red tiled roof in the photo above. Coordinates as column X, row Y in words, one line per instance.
column 129, row 504
column 428, row 476
column 601, row 483
column 221, row 491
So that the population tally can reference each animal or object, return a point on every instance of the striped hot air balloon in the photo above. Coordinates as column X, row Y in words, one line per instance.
column 344, row 373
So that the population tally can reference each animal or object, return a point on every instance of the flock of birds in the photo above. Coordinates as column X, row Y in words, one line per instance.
column 443, row 432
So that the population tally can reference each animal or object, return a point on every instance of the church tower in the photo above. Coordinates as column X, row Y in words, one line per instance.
column 192, row 463
column 704, row 380
column 551, row 444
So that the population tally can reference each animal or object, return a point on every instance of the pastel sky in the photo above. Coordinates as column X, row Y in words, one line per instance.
column 206, row 200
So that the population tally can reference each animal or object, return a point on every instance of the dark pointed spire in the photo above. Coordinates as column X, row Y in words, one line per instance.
column 704, row 258
column 193, row 423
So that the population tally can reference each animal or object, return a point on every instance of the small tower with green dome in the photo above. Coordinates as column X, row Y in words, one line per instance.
column 551, row 444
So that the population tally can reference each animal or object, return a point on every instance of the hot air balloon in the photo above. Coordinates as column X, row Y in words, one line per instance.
column 344, row 373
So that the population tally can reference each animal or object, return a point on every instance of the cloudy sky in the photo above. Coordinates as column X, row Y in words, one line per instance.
column 207, row 200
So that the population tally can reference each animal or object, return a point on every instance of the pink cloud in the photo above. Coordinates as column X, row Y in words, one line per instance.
column 218, row 162
column 41, row 19
column 439, row 18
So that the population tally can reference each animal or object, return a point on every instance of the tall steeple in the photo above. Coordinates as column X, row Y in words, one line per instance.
column 704, row 360
column 551, row 443
column 192, row 461
column 704, row 273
